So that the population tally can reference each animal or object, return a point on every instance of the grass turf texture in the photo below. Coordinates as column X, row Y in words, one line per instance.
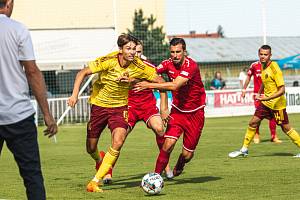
column 270, row 171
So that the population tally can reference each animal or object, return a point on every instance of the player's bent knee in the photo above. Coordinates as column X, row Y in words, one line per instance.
column 188, row 156
column 117, row 145
column 91, row 150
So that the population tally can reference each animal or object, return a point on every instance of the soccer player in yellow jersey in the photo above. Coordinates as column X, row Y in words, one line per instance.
column 273, row 102
column 110, row 98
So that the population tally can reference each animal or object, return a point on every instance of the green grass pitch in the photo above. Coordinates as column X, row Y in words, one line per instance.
column 270, row 171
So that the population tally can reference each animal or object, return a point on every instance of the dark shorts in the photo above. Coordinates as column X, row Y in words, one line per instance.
column 101, row 116
column 136, row 114
column 264, row 112
column 190, row 124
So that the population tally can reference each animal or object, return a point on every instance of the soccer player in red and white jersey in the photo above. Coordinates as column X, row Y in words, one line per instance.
column 142, row 106
column 255, row 71
column 187, row 113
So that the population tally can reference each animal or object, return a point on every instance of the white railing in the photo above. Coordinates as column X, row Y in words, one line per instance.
column 79, row 114
column 219, row 103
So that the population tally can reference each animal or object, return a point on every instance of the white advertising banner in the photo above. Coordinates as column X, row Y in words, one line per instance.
column 223, row 103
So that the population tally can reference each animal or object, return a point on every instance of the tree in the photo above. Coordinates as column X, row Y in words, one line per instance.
column 153, row 38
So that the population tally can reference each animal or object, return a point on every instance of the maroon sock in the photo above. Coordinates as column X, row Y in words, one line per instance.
column 162, row 161
column 160, row 141
column 180, row 163
column 272, row 127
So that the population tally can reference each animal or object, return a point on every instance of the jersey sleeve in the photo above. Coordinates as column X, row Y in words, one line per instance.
column 25, row 51
column 250, row 71
column 278, row 77
column 149, row 73
column 98, row 65
column 162, row 68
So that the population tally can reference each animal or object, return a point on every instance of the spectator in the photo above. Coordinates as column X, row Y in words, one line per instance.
column 18, row 71
column 217, row 83
column 243, row 77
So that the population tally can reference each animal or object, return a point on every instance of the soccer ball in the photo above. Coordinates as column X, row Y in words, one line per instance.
column 152, row 183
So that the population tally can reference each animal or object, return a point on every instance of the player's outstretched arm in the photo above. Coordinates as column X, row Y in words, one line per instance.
column 174, row 85
column 247, row 81
column 280, row 91
column 38, row 86
column 78, row 80
column 164, row 110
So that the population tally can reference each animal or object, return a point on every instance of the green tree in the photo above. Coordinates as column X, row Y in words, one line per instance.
column 153, row 38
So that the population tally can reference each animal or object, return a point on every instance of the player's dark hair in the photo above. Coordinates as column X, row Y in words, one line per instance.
column 175, row 41
column 265, row 47
column 125, row 38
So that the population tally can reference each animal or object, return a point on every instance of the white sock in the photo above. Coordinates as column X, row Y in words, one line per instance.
column 243, row 149
column 95, row 179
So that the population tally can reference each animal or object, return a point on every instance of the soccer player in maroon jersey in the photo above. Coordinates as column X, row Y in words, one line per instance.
column 187, row 113
column 142, row 106
column 255, row 71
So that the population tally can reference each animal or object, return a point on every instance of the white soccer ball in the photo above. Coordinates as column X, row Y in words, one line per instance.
column 152, row 183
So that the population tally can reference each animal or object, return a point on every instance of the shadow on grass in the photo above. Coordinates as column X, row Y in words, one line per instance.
column 280, row 154
column 132, row 182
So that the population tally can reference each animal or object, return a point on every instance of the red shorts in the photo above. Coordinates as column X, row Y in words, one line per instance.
column 101, row 116
column 256, row 103
column 144, row 113
column 190, row 124
column 263, row 112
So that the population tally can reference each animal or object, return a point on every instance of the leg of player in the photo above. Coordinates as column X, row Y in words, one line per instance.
column 183, row 158
column 292, row 134
column 164, row 155
column 272, row 127
column 118, row 138
column 156, row 124
column 256, row 139
column 253, row 124
column 92, row 149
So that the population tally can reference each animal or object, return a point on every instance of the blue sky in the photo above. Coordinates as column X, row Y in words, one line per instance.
column 239, row 18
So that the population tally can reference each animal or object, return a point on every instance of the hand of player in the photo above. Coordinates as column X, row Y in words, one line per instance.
column 261, row 97
column 72, row 101
column 243, row 94
column 165, row 116
column 51, row 126
column 140, row 86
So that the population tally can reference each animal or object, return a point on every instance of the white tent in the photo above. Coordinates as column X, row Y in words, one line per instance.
column 58, row 49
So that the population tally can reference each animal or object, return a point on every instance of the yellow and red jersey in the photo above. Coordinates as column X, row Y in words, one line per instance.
column 107, row 90
column 272, row 78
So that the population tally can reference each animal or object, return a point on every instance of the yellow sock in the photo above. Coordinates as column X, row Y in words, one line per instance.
column 95, row 155
column 108, row 161
column 294, row 136
column 249, row 136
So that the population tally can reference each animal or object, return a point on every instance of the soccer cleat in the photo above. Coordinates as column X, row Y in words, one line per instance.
column 107, row 180
column 297, row 156
column 169, row 174
column 235, row 154
column 101, row 154
column 256, row 139
column 108, row 177
column 177, row 172
column 276, row 140
column 93, row 186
